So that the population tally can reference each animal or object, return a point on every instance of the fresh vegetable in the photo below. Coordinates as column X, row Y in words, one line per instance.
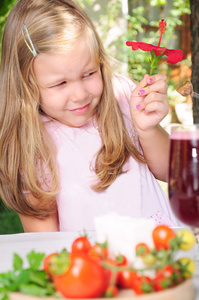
column 142, row 285
column 32, row 280
column 163, row 279
column 186, row 239
column 162, row 236
column 56, row 263
column 91, row 271
column 161, row 283
column 149, row 259
column 121, row 260
column 81, row 245
column 142, row 249
column 46, row 263
column 111, row 271
column 187, row 266
column 99, row 251
column 111, row 291
column 85, row 278
column 125, row 278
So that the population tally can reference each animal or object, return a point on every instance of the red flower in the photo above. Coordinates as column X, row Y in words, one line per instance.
column 173, row 55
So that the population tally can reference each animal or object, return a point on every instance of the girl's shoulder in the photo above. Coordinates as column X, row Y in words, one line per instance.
column 53, row 127
column 50, row 124
column 122, row 87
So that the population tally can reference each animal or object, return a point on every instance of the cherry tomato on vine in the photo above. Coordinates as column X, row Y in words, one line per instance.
column 186, row 238
column 125, row 278
column 167, row 277
column 85, row 278
column 162, row 235
column 187, row 266
column 46, row 263
column 56, row 263
column 161, row 283
column 111, row 291
column 163, row 278
column 149, row 259
column 111, row 274
column 99, row 251
column 81, row 245
column 167, row 271
column 142, row 249
column 121, row 260
column 142, row 285
column 177, row 276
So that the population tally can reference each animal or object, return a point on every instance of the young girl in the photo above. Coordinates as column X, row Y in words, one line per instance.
column 76, row 141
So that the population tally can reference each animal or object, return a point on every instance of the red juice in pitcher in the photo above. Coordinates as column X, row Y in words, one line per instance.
column 184, row 177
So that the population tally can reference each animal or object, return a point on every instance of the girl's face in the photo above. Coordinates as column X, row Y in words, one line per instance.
column 70, row 85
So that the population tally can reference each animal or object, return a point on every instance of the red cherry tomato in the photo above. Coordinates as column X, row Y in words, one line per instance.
column 168, row 271
column 81, row 245
column 111, row 291
column 110, row 263
column 85, row 278
column 121, row 260
column 142, row 249
column 162, row 283
column 46, row 264
column 125, row 279
column 99, row 251
column 177, row 277
column 162, row 235
column 142, row 285
column 56, row 263
column 166, row 278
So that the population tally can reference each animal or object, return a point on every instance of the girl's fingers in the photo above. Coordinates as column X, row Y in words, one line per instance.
column 140, row 86
column 155, row 83
column 154, row 78
column 155, row 97
column 153, row 103
column 156, row 107
column 159, row 86
column 150, row 90
column 140, row 107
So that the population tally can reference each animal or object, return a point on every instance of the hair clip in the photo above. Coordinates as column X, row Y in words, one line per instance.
column 31, row 46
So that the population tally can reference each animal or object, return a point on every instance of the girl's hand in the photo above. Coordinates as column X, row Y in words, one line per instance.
column 149, row 104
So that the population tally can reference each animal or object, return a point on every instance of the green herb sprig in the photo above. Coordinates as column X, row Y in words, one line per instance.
column 32, row 280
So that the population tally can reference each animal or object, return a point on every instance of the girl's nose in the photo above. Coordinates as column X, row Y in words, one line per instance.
column 78, row 92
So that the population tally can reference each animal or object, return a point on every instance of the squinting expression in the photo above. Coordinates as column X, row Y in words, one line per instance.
column 70, row 85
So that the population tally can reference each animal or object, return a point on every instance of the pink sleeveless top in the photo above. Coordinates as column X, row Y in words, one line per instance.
column 135, row 193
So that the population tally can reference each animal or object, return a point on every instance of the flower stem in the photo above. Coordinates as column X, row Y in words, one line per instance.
column 160, row 39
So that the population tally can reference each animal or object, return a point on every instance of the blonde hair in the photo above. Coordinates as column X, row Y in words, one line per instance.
column 54, row 26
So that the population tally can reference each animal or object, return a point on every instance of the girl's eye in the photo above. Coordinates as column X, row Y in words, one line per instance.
column 88, row 74
column 63, row 82
column 58, row 84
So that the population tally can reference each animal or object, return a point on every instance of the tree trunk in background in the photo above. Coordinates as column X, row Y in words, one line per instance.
column 194, row 5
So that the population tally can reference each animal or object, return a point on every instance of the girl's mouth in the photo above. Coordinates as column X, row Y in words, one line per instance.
column 81, row 110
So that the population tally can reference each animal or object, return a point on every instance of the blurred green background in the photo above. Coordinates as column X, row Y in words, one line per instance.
column 9, row 221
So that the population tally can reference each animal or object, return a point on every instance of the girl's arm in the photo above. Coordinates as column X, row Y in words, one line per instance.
column 155, row 145
column 149, row 105
column 33, row 224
